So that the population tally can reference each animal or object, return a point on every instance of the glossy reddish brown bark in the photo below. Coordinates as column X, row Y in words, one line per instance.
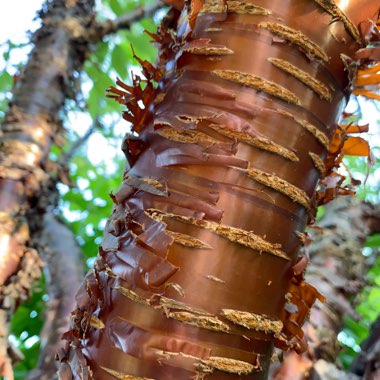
column 195, row 275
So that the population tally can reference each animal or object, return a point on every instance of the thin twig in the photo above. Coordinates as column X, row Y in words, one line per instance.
column 67, row 156
column 125, row 21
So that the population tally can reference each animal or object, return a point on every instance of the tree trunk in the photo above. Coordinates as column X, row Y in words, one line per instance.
column 338, row 267
column 64, row 271
column 196, row 275
column 31, row 125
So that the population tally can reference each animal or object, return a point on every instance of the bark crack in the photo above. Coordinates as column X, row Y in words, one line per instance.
column 331, row 8
column 256, row 141
column 296, row 194
column 298, row 38
column 317, row 86
column 252, row 321
column 237, row 235
column 259, row 84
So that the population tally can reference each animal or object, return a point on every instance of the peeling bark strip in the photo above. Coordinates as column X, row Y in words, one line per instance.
column 123, row 376
column 319, row 164
column 168, row 303
column 246, row 8
column 229, row 365
column 316, row 85
column 317, row 133
column 209, row 50
column 297, row 38
column 330, row 7
column 256, row 141
column 187, row 241
column 246, row 238
column 259, row 84
column 165, row 304
column 189, row 136
column 213, row 6
column 201, row 321
column 216, row 362
column 294, row 193
column 253, row 321
column 132, row 295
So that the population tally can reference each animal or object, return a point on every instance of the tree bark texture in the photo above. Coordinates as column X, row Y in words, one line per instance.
column 64, row 271
column 196, row 276
column 30, row 127
column 338, row 268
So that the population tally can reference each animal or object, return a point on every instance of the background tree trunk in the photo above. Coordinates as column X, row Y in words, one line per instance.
column 64, row 272
column 338, row 268
column 28, row 131
column 196, row 276
column 31, row 125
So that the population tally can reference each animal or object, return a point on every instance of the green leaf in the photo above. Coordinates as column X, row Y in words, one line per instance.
column 120, row 60
column 116, row 7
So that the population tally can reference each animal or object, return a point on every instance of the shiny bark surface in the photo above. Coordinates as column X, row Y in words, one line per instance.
column 196, row 276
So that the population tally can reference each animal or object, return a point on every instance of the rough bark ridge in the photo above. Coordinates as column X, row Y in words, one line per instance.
column 338, row 268
column 196, row 275
column 64, row 272
column 29, row 128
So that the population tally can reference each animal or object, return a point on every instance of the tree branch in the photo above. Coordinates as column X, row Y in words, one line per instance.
column 124, row 22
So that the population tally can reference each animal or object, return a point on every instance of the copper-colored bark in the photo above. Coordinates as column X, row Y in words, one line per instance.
column 155, row 307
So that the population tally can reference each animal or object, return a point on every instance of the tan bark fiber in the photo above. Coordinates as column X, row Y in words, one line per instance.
column 132, row 295
column 246, row 8
column 213, row 6
column 229, row 365
column 210, row 50
column 122, row 376
column 318, row 134
column 296, row 37
column 187, row 240
column 253, row 321
column 316, row 85
column 294, row 193
column 237, row 235
column 259, row 84
column 332, row 8
column 319, row 164
column 188, row 136
column 201, row 321
column 256, row 141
